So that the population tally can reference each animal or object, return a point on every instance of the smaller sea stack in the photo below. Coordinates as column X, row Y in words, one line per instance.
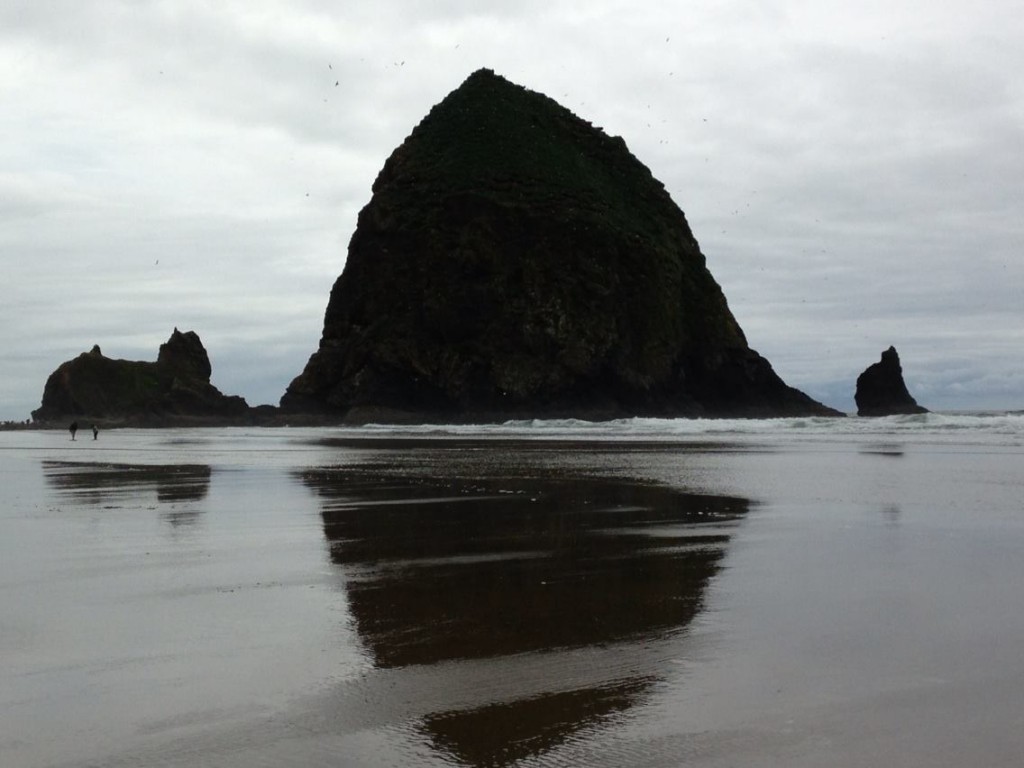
column 881, row 390
column 176, row 387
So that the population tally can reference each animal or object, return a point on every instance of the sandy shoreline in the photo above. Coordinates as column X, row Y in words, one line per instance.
column 237, row 598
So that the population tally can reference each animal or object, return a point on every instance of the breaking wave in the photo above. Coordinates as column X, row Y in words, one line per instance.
column 998, row 426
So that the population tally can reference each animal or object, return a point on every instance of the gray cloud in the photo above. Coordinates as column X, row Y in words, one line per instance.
column 852, row 172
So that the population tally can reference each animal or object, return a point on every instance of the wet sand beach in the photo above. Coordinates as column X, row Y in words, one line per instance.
column 774, row 593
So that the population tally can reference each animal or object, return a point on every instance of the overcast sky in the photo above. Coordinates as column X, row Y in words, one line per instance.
column 854, row 172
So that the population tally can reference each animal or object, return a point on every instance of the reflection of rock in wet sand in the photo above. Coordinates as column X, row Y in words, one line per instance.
column 97, row 483
column 439, row 571
column 529, row 726
column 492, row 567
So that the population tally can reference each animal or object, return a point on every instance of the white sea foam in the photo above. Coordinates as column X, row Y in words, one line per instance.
column 1003, row 427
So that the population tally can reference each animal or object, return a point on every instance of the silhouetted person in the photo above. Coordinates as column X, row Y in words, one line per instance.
column 73, row 428
column 95, row 432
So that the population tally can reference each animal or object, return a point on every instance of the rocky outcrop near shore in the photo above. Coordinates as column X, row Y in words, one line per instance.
column 176, row 388
column 881, row 390
column 516, row 261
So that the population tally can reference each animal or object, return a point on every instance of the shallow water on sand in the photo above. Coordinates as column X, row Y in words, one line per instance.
column 772, row 593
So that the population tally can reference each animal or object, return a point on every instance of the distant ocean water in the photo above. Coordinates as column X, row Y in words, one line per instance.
column 994, row 423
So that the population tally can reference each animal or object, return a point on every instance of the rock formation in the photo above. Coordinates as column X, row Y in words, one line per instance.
column 175, row 388
column 516, row 261
column 881, row 390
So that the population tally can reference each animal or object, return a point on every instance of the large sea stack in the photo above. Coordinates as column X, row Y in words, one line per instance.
column 881, row 390
column 516, row 261
column 174, row 389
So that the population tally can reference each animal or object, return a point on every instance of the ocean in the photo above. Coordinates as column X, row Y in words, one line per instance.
column 644, row 592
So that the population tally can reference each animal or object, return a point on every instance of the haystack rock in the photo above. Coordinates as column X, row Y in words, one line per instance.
column 516, row 261
column 881, row 390
column 176, row 387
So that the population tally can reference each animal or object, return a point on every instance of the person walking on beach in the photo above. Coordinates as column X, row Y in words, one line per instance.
column 73, row 428
column 95, row 432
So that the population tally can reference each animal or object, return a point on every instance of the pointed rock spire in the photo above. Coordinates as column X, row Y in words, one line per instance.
column 881, row 390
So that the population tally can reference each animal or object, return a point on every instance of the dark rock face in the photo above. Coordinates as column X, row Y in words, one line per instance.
column 516, row 261
column 176, row 386
column 185, row 354
column 881, row 390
